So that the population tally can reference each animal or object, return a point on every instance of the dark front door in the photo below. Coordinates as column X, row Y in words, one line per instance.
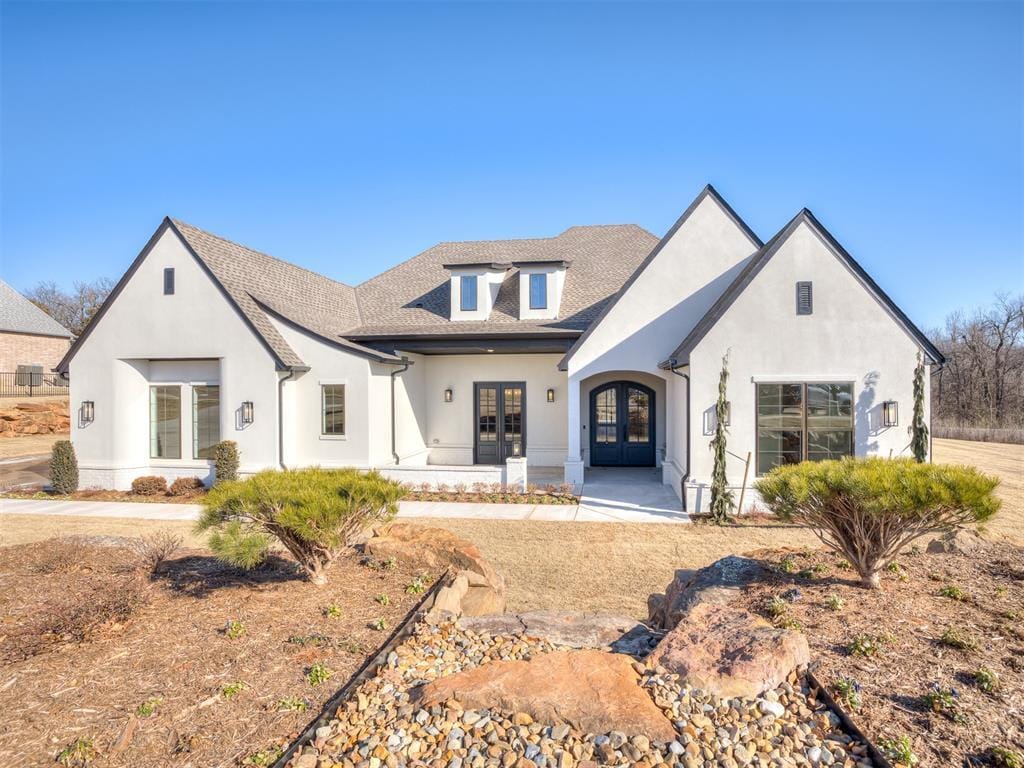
column 622, row 425
column 500, row 421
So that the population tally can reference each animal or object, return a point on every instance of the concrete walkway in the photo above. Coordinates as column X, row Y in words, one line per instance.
column 609, row 495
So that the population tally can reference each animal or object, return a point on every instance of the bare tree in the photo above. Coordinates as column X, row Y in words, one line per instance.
column 982, row 382
column 72, row 309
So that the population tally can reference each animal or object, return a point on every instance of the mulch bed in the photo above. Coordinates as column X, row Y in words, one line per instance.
column 914, row 682
column 141, row 668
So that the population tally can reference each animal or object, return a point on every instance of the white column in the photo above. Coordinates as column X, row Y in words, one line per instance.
column 574, row 455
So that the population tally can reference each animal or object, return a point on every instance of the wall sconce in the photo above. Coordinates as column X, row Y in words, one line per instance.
column 88, row 411
column 448, row 395
column 890, row 413
column 247, row 412
column 551, row 395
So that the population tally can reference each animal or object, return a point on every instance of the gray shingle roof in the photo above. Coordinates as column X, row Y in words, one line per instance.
column 414, row 298
column 19, row 315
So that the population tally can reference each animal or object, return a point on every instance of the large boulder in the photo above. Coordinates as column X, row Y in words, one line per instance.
column 960, row 542
column 718, row 583
column 619, row 634
column 474, row 587
column 730, row 652
column 591, row 690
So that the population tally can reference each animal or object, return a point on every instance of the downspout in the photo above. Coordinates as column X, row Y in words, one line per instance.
column 280, row 416
column 394, row 373
column 686, row 473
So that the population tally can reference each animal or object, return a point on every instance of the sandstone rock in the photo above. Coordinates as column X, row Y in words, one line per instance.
column 591, row 690
column 434, row 549
column 578, row 630
column 719, row 582
column 730, row 652
column 960, row 542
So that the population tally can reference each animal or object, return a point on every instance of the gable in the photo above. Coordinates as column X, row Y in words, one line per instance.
column 805, row 235
column 669, row 292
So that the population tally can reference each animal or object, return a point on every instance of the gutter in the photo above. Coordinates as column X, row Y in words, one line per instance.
column 397, row 372
column 280, row 413
column 672, row 365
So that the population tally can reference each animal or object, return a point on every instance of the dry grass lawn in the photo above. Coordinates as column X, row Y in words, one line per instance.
column 28, row 445
column 606, row 567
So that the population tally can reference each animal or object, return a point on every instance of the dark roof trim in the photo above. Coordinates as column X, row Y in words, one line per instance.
column 449, row 346
column 708, row 191
column 166, row 224
column 497, row 266
column 339, row 343
column 463, row 336
column 681, row 356
column 542, row 263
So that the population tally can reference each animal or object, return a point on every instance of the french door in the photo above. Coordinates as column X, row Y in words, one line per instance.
column 622, row 425
column 499, row 421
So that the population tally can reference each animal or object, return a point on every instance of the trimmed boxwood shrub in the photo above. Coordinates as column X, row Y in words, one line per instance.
column 225, row 461
column 149, row 485
column 869, row 509
column 313, row 513
column 186, row 486
column 64, row 467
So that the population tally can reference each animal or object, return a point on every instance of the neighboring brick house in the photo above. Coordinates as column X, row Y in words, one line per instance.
column 28, row 336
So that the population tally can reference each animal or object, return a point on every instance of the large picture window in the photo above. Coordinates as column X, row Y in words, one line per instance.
column 333, row 401
column 205, row 420
column 803, row 422
column 165, row 422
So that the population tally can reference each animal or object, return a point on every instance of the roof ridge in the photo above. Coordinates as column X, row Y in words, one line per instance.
column 180, row 223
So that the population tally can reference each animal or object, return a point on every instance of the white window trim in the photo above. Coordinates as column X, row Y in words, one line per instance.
column 320, row 384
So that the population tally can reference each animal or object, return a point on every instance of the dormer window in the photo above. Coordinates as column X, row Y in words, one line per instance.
column 467, row 292
column 538, row 291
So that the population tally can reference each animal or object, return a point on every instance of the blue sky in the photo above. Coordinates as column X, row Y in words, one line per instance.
column 347, row 138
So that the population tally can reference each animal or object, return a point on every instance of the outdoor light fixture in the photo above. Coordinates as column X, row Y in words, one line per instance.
column 551, row 395
column 890, row 413
column 88, row 411
column 448, row 395
column 247, row 412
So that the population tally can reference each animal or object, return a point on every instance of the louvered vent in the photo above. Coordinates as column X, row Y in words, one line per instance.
column 804, row 298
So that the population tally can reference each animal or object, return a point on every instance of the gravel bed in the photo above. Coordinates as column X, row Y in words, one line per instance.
column 379, row 726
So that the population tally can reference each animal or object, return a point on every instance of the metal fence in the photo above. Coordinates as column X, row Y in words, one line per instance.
column 32, row 383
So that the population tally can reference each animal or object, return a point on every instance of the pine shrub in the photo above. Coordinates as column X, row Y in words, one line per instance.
column 225, row 461
column 149, row 485
column 869, row 509
column 314, row 513
column 64, row 468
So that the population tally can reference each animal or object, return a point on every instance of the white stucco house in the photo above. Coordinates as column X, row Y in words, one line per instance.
column 601, row 346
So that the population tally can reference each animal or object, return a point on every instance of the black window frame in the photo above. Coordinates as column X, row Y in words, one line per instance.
column 168, row 281
column 804, row 429
column 540, row 279
column 465, row 280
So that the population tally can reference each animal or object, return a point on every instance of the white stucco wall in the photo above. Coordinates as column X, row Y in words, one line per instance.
column 849, row 337
column 112, row 368
column 450, row 427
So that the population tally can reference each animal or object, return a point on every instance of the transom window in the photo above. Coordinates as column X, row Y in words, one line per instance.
column 538, row 291
column 803, row 422
column 205, row 420
column 333, row 402
column 165, row 422
column 467, row 293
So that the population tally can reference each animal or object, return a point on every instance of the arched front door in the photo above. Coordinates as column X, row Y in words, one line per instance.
column 622, row 425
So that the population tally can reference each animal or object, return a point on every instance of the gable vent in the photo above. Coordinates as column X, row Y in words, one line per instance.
column 168, row 281
column 804, row 298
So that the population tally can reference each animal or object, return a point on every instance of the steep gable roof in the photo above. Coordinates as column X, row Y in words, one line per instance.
column 682, row 353
column 708, row 191
column 414, row 297
column 19, row 315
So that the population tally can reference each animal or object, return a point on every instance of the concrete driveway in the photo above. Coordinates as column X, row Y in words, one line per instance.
column 24, row 472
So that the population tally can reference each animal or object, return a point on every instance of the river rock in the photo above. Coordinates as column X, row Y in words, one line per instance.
column 593, row 691
column 620, row 634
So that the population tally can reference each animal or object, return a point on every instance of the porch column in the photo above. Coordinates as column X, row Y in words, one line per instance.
column 574, row 455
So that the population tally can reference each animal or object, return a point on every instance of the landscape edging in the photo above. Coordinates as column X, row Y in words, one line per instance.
column 880, row 760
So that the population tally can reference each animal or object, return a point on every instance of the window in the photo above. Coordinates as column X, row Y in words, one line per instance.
column 538, row 291
column 803, row 422
column 804, row 298
column 467, row 291
column 205, row 420
column 333, row 400
column 169, row 281
column 165, row 422
column 607, row 428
